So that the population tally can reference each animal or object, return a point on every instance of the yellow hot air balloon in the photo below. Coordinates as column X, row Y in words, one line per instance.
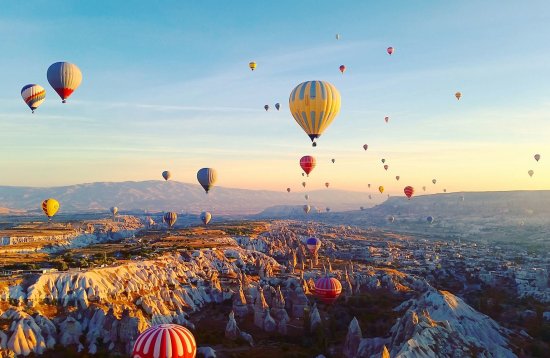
column 314, row 105
column 381, row 189
column 252, row 65
column 50, row 207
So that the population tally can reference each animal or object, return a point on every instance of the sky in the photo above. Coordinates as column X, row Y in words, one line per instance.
column 166, row 86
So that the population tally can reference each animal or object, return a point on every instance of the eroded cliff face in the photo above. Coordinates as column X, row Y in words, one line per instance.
column 108, row 307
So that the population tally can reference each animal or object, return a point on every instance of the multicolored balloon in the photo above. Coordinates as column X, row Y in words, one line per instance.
column 383, row 161
column 33, row 95
column 207, row 178
column 166, row 175
column 327, row 184
column 206, row 217
column 434, row 181
column 50, row 207
column 342, row 68
column 307, row 163
column 252, row 65
column 409, row 191
column 304, row 184
column 64, row 77
column 288, row 190
column 365, row 146
column 387, row 119
column 277, row 106
column 314, row 105
column 170, row 218
column 389, row 50
column 458, row 95
column 391, row 218
column 386, row 167
column 266, row 107
column 337, row 36
column 328, row 289
column 306, row 208
column 430, row 219
column 313, row 244
column 166, row 341
column 381, row 189
column 114, row 210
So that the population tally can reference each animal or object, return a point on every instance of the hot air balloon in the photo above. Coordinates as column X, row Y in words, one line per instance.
column 165, row 341
column 361, row 208
column 277, row 106
column 307, row 163
column 430, row 219
column 337, row 36
column 313, row 244
column 266, row 107
column 531, row 172
column 303, row 174
column 462, row 197
column 444, row 190
column 434, row 181
column 397, row 177
column 64, row 77
column 306, row 196
column 383, row 161
column 307, row 208
column 386, row 167
column 342, row 68
column 207, row 178
column 314, row 105
column 206, row 217
column 327, row 209
column 381, row 189
column 333, row 160
column 33, row 95
column 327, row 184
column 114, row 210
column 365, row 146
column 252, row 65
column 50, row 207
column 166, row 175
column 389, row 50
column 304, row 184
column 537, row 157
column 370, row 197
column 387, row 119
column 170, row 218
column 409, row 191
column 458, row 95
column 368, row 185
column 288, row 190
column 424, row 188
column 327, row 289
column 391, row 218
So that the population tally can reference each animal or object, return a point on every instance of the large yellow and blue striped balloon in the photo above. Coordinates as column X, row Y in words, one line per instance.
column 33, row 95
column 314, row 105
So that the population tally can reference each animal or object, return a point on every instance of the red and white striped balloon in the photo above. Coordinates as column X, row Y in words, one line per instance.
column 328, row 289
column 165, row 341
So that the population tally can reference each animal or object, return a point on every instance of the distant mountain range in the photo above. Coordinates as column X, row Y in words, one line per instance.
column 171, row 195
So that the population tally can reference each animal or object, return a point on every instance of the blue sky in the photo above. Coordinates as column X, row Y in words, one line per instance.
column 168, row 87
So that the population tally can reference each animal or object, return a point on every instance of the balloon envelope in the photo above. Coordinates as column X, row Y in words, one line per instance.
column 342, row 68
column 64, row 77
column 313, row 244
column 166, row 175
column 314, row 105
column 206, row 217
column 381, row 189
column 167, row 341
column 333, row 160
column 207, row 178
column 389, row 50
column 458, row 95
column 391, row 218
column 434, row 181
column 386, row 167
column 430, row 219
column 307, row 163
column 365, row 146
column 277, row 106
column 33, row 95
column 397, row 177
column 114, row 210
column 537, row 157
column 409, row 191
column 387, row 119
column 170, row 218
column 530, row 172
column 327, row 184
column 266, row 107
column 50, row 207
column 328, row 289
column 307, row 208
column 252, row 65
column 288, row 190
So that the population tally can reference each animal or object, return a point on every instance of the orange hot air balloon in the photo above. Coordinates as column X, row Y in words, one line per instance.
column 327, row 184
column 381, row 189
column 386, row 167
column 387, row 119
column 390, row 50
column 307, row 163
column 288, row 190
column 409, row 191
column 304, row 184
column 342, row 68
column 458, row 95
